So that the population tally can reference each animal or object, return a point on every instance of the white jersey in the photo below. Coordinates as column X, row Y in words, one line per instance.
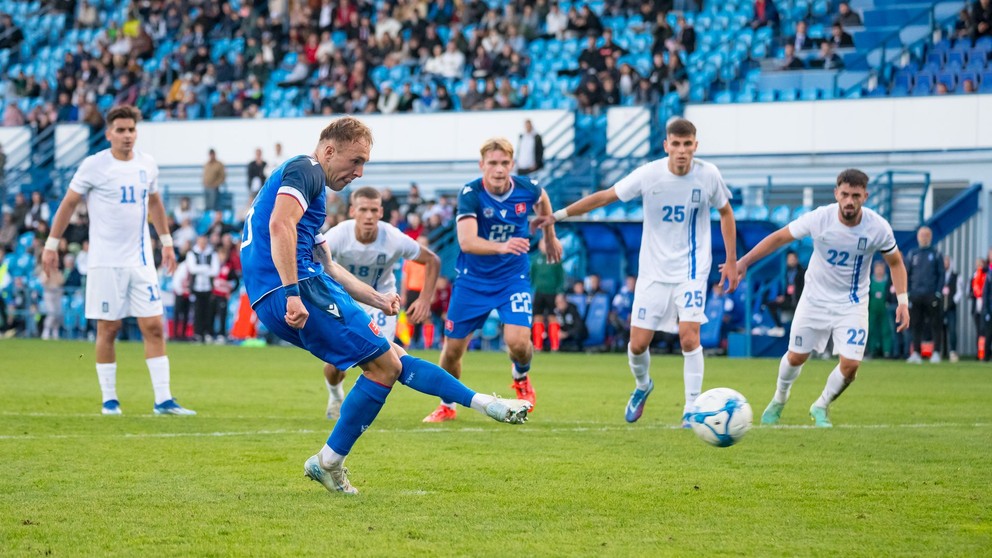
column 675, row 244
column 840, row 267
column 371, row 263
column 117, row 199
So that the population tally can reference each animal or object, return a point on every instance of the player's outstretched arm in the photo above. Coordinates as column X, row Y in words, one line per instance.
column 728, row 227
column 768, row 245
column 581, row 207
column 897, row 269
column 156, row 214
column 50, row 257
column 282, row 229
column 552, row 246
column 471, row 243
column 362, row 292
column 420, row 310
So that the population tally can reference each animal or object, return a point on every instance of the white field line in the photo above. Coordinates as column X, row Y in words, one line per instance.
column 473, row 430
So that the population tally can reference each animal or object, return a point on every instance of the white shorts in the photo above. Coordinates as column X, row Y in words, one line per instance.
column 114, row 293
column 657, row 305
column 386, row 324
column 814, row 324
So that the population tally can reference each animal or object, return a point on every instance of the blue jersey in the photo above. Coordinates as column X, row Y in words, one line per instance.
column 302, row 178
column 500, row 219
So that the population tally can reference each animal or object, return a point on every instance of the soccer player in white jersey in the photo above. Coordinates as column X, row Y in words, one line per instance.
column 676, row 253
column 834, row 302
column 120, row 186
column 369, row 248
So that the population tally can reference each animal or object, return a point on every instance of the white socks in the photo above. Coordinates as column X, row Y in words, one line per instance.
column 640, row 367
column 479, row 402
column 336, row 391
column 329, row 457
column 107, row 376
column 692, row 373
column 787, row 374
column 158, row 368
column 836, row 384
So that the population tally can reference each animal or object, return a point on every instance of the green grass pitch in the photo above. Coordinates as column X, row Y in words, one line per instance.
column 905, row 471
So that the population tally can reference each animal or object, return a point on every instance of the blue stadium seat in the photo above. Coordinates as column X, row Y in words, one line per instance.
column 780, row 215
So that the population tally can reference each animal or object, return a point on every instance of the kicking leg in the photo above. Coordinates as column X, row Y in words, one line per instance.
column 788, row 370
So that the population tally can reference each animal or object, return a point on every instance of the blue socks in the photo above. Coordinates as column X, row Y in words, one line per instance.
column 358, row 411
column 433, row 380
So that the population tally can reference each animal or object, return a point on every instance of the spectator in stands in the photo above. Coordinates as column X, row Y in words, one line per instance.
column 223, row 285
column 620, row 312
column 444, row 101
column 548, row 281
column 530, row 150
column 37, row 212
column 20, row 211
column 791, row 288
column 952, row 293
column 556, row 22
column 51, row 303
column 8, row 231
column 591, row 58
column 925, row 269
column 986, row 311
column 390, row 205
column 940, row 88
column 801, row 39
column 388, row 99
column 407, row 98
column 181, row 292
column 11, row 36
column 678, row 77
column 87, row 17
column 790, row 61
column 827, row 59
column 214, row 178
column 573, row 330
column 589, row 96
column 646, row 93
column 452, row 61
column 847, row 17
column 13, row 116
column 203, row 265
column 765, row 15
column 981, row 14
column 881, row 312
column 840, row 38
column 684, row 40
column 968, row 86
column 256, row 172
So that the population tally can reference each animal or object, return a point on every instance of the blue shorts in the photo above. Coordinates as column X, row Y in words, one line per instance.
column 338, row 330
column 470, row 307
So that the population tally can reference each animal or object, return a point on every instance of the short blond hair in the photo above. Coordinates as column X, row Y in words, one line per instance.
column 496, row 144
column 347, row 129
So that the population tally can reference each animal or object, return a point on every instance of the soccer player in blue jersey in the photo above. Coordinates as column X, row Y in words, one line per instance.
column 311, row 306
column 493, row 268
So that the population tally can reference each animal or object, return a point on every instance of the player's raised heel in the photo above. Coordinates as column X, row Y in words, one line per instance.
column 635, row 407
column 772, row 414
column 334, row 479
column 820, row 417
column 525, row 391
column 686, row 423
column 111, row 407
column 513, row 411
column 172, row 407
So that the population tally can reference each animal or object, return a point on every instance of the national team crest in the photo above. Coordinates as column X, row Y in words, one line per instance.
column 862, row 243
column 487, row 212
column 380, row 259
column 143, row 176
column 374, row 328
column 799, row 340
column 697, row 195
column 641, row 313
column 521, row 208
column 449, row 325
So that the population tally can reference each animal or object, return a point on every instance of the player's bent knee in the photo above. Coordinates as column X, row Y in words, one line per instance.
column 797, row 359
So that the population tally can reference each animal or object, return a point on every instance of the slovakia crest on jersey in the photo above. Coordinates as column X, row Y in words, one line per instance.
column 487, row 212
column 862, row 243
column 521, row 208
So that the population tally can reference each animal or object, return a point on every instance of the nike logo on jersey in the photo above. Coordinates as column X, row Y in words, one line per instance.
column 332, row 309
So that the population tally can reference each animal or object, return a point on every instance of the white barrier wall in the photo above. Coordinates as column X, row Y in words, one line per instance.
column 398, row 138
column 851, row 126
column 16, row 142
